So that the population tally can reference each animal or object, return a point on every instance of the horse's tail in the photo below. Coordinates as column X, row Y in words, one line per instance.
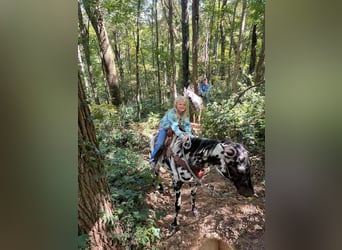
column 152, row 139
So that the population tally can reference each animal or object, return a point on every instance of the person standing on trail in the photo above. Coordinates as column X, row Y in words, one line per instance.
column 204, row 89
column 178, row 120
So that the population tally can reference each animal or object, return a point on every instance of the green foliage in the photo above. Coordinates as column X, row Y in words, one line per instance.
column 114, row 127
column 246, row 120
column 82, row 241
column 129, row 180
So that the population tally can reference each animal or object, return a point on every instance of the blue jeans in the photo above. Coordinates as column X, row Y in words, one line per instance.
column 159, row 143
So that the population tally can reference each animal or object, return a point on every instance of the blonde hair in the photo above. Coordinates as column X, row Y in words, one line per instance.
column 185, row 100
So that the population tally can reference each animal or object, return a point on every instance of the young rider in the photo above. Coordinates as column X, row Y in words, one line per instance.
column 178, row 120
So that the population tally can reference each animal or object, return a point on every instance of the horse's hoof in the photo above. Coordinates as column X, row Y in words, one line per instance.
column 173, row 228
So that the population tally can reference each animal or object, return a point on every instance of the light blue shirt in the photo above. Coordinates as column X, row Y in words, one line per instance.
column 204, row 88
column 170, row 120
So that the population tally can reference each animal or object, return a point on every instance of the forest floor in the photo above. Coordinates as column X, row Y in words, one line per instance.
column 233, row 222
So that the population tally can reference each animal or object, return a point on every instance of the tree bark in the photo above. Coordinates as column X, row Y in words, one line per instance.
column 94, row 199
column 173, row 86
column 195, row 34
column 260, row 68
column 157, row 52
column 85, row 43
column 223, row 40
column 137, row 48
column 253, row 51
column 117, row 54
column 92, row 8
column 237, row 64
column 185, row 43
column 232, row 45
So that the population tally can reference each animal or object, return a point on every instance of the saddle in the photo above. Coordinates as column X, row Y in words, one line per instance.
column 167, row 152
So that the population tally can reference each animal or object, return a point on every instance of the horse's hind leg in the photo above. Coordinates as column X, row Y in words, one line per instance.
column 158, row 182
column 193, row 200
column 178, row 200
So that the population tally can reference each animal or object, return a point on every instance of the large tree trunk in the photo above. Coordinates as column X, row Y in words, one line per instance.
column 185, row 43
column 94, row 199
column 92, row 8
column 85, row 43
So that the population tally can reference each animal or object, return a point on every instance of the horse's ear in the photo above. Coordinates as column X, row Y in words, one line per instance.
column 231, row 152
column 227, row 140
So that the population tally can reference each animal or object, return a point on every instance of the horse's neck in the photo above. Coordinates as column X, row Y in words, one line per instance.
column 206, row 148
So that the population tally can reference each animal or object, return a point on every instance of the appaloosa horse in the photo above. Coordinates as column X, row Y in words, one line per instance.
column 186, row 162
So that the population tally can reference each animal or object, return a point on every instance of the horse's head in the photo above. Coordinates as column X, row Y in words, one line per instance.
column 236, row 167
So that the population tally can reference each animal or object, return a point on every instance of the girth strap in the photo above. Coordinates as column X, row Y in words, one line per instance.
column 199, row 172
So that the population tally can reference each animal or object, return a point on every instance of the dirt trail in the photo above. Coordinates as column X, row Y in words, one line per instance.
column 235, row 220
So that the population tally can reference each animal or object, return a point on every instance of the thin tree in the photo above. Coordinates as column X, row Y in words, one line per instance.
column 93, row 10
column 157, row 51
column 185, row 43
column 223, row 40
column 252, row 60
column 237, row 65
column 195, row 35
column 260, row 68
column 137, row 48
column 172, row 50
column 232, row 46
column 95, row 205
column 118, row 59
column 85, row 43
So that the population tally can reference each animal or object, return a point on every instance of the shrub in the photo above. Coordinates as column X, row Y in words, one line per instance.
column 243, row 123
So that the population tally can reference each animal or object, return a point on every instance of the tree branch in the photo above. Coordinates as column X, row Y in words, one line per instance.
column 243, row 92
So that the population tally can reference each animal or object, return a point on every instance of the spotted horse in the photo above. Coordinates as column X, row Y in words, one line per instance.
column 186, row 161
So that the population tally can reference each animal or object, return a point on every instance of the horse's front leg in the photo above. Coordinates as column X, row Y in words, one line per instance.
column 177, row 185
column 193, row 199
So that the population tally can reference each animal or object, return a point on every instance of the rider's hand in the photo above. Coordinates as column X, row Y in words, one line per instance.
column 184, row 138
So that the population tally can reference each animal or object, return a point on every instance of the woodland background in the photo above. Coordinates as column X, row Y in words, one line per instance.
column 39, row 109
column 134, row 58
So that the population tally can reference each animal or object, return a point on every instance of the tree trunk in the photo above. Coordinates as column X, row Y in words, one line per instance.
column 232, row 45
column 107, row 56
column 85, row 43
column 81, row 64
column 137, row 48
column 117, row 53
column 172, row 49
column 157, row 52
column 260, row 68
column 94, row 199
column 237, row 64
column 253, row 51
column 223, row 41
column 185, row 43
column 195, row 34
